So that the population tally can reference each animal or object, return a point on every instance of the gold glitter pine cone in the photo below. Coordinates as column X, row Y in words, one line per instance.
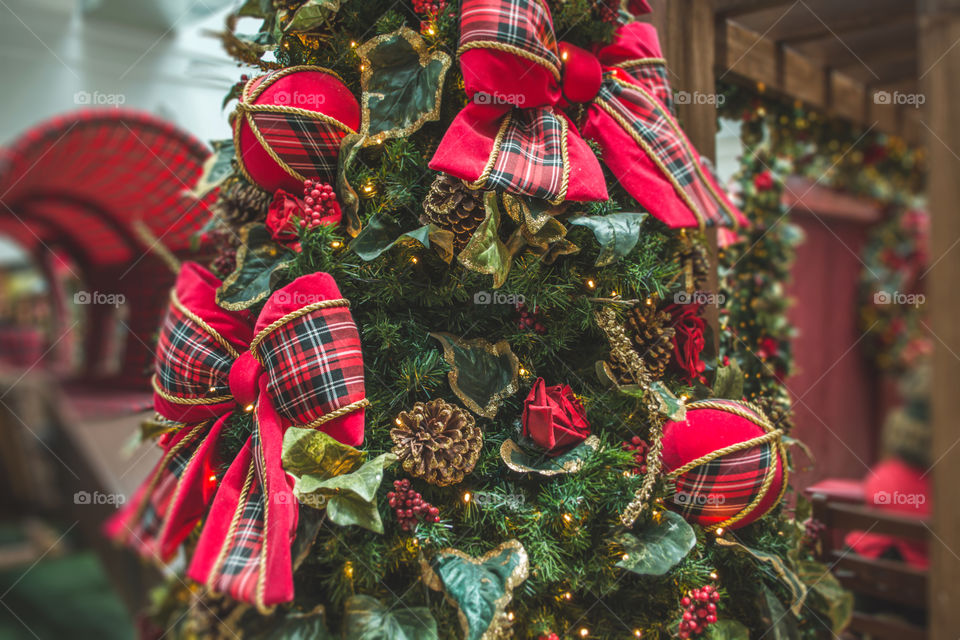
column 437, row 441
column 453, row 206
column 651, row 336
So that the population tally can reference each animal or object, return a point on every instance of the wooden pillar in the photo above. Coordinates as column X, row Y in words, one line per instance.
column 688, row 38
column 940, row 71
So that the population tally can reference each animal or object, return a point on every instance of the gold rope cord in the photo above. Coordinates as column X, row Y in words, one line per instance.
column 293, row 315
column 245, row 110
column 517, row 51
column 232, row 531
column 492, row 160
column 693, row 154
column 187, row 439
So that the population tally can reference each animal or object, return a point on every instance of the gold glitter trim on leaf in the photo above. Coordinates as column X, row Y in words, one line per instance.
column 426, row 59
column 570, row 462
column 498, row 362
column 514, row 552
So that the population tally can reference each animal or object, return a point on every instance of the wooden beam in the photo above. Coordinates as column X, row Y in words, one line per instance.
column 731, row 8
column 940, row 60
column 747, row 54
column 803, row 78
column 811, row 19
column 847, row 99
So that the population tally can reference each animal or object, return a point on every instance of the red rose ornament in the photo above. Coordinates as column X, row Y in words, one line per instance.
column 554, row 418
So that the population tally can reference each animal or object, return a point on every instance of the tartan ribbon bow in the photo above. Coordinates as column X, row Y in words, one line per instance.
column 514, row 135
column 298, row 364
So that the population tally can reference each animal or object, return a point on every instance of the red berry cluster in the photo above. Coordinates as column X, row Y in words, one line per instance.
column 225, row 243
column 549, row 636
column 812, row 530
column 640, row 449
column 429, row 8
column 410, row 506
column 321, row 202
column 700, row 611
column 527, row 319
column 607, row 13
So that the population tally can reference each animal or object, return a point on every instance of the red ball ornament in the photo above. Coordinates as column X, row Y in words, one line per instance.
column 727, row 464
column 288, row 125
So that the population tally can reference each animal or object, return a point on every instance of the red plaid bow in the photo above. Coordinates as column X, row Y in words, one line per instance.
column 513, row 135
column 298, row 364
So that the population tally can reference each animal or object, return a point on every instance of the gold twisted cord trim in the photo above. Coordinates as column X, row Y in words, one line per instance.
column 495, row 153
column 565, row 182
column 336, row 413
column 492, row 160
column 626, row 126
column 517, row 51
column 733, row 448
column 248, row 95
column 693, row 154
column 639, row 61
column 185, row 401
column 760, row 419
column 156, row 476
column 213, row 333
column 293, row 315
column 262, row 569
column 294, row 111
column 232, row 531
column 245, row 109
column 764, row 489
column 180, row 481
column 154, row 245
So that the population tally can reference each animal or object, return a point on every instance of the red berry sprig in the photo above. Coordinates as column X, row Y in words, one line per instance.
column 640, row 449
column 549, row 636
column 429, row 8
column 700, row 611
column 320, row 202
column 527, row 319
column 812, row 530
column 410, row 506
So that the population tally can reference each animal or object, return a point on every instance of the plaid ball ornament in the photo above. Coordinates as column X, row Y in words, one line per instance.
column 727, row 464
column 288, row 126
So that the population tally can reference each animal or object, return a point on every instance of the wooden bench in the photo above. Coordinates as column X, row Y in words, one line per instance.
column 886, row 580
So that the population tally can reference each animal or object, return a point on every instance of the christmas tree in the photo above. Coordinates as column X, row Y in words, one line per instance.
column 447, row 373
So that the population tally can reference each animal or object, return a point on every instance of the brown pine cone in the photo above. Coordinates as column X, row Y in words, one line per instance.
column 437, row 441
column 240, row 202
column 652, row 337
column 695, row 254
column 452, row 205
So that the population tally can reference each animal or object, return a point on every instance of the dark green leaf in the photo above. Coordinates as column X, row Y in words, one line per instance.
column 570, row 462
column 216, row 168
column 366, row 618
column 349, row 201
column 616, row 233
column 729, row 382
column 302, row 625
column 658, row 546
column 481, row 587
column 382, row 232
column 481, row 374
column 259, row 260
column 728, row 630
column 402, row 83
column 830, row 597
column 776, row 567
column 779, row 623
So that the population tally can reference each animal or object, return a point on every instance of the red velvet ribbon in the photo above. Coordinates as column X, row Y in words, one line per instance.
column 244, row 546
column 513, row 67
